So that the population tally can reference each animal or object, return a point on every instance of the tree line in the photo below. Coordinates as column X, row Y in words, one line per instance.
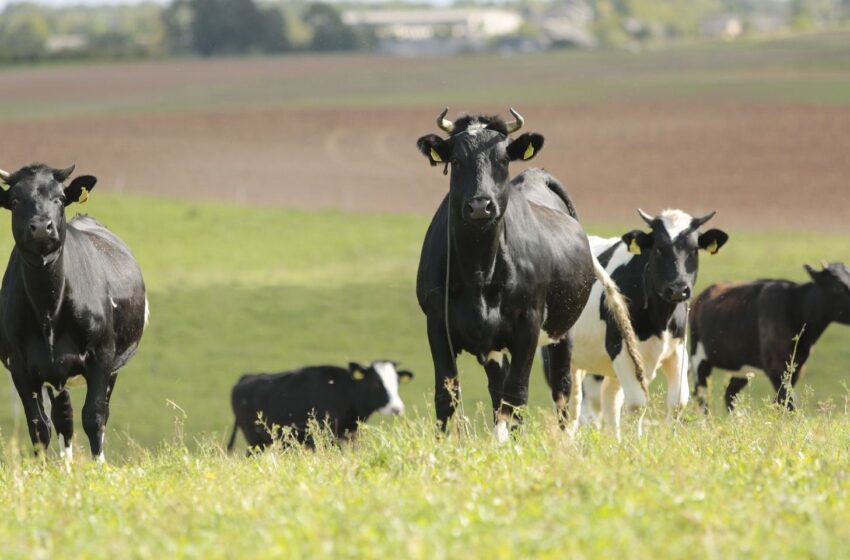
column 31, row 32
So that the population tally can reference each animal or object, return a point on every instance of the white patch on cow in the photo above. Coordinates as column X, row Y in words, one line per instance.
column 675, row 221
column 112, row 301
column 147, row 312
column 500, row 431
column 475, row 127
column 591, row 401
column 389, row 377
column 699, row 356
column 544, row 339
column 101, row 457
column 495, row 356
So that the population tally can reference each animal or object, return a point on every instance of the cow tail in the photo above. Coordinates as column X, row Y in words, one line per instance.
column 616, row 304
column 233, row 436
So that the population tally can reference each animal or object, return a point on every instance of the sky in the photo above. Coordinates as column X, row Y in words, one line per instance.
column 4, row 3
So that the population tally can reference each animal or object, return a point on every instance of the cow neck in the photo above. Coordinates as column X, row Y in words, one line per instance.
column 45, row 286
column 475, row 253
column 812, row 310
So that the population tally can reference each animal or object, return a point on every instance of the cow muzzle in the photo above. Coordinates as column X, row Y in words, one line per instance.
column 677, row 293
column 42, row 229
column 480, row 209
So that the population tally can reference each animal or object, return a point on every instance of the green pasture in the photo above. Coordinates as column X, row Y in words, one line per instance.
column 765, row 484
column 237, row 289
column 807, row 69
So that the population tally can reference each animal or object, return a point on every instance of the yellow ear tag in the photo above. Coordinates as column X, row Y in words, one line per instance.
column 358, row 375
column 713, row 248
column 529, row 151
column 435, row 156
column 84, row 196
column 634, row 248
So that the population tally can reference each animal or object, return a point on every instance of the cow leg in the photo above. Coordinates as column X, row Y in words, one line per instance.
column 611, row 395
column 96, row 412
column 703, row 371
column 496, row 367
column 62, row 415
column 556, row 365
column 515, row 391
column 634, row 396
column 575, row 400
column 38, row 425
column 445, row 371
column 736, row 385
column 676, row 371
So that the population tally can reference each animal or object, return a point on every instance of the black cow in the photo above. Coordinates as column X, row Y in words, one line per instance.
column 515, row 261
column 755, row 324
column 72, row 304
column 341, row 398
column 656, row 272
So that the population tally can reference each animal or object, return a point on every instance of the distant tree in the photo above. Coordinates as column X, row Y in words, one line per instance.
column 329, row 31
column 23, row 36
column 177, row 25
column 235, row 26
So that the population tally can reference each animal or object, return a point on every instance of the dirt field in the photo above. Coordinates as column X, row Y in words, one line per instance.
column 758, row 132
column 778, row 167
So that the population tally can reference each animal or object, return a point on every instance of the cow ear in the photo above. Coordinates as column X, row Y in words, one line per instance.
column 525, row 147
column 78, row 190
column 434, row 148
column 405, row 376
column 637, row 241
column 713, row 240
column 357, row 371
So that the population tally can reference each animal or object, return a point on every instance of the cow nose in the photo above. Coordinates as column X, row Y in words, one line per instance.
column 41, row 229
column 480, row 208
column 397, row 410
column 678, row 292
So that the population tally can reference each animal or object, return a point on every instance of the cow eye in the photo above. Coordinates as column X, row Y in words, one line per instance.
column 59, row 200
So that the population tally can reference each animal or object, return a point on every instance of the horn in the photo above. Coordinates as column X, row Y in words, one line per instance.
column 444, row 123
column 646, row 217
column 517, row 124
column 4, row 176
column 824, row 264
column 697, row 222
column 62, row 174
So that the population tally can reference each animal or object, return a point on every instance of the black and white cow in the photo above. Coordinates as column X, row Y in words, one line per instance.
column 338, row 397
column 503, row 265
column 755, row 324
column 72, row 304
column 656, row 272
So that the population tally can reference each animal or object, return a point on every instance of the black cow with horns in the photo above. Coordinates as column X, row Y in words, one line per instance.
column 505, row 266
column 72, row 304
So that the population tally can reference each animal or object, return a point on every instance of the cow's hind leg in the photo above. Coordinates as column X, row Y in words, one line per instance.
column 62, row 415
column 96, row 411
column 556, row 366
column 736, row 385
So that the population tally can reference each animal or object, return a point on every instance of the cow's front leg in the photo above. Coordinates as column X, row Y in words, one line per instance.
column 496, row 366
column 96, row 409
column 676, row 371
column 445, row 371
column 515, row 390
column 634, row 395
column 611, row 398
column 38, row 425
column 62, row 415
